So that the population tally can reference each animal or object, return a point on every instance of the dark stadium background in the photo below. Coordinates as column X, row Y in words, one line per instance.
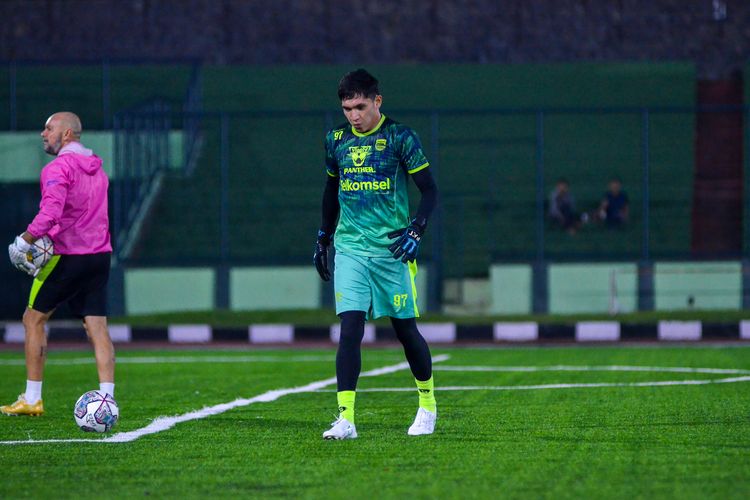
column 507, row 97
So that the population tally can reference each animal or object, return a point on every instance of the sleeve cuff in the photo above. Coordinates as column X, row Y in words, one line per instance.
column 421, row 167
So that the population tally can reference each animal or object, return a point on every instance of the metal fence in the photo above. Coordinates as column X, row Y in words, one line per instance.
column 97, row 89
column 252, row 192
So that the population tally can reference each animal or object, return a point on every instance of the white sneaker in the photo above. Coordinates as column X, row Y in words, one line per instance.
column 424, row 423
column 341, row 429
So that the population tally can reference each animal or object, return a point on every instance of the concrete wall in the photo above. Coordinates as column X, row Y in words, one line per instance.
column 577, row 288
column 581, row 288
column 166, row 290
column 157, row 290
column 274, row 288
column 706, row 285
column 510, row 286
column 22, row 156
column 573, row 288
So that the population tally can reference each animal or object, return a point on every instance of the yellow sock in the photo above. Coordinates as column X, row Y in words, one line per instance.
column 346, row 404
column 427, row 395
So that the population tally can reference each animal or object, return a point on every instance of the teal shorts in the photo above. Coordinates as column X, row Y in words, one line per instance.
column 379, row 286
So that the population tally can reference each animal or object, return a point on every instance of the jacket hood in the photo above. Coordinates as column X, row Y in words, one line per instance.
column 87, row 160
column 90, row 164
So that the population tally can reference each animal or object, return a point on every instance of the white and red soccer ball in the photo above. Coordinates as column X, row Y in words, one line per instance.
column 96, row 411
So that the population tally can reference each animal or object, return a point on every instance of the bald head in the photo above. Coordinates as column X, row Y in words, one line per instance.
column 60, row 129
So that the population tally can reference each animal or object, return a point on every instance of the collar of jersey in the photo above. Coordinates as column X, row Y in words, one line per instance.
column 375, row 129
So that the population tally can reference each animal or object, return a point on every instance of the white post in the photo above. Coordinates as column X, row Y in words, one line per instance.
column 614, row 307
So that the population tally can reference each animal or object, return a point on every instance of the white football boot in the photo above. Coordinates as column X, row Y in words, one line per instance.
column 341, row 429
column 424, row 423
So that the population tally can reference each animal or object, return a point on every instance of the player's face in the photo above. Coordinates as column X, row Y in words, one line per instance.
column 362, row 113
column 52, row 135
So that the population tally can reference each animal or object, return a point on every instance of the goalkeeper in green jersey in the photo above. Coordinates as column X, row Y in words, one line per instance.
column 369, row 161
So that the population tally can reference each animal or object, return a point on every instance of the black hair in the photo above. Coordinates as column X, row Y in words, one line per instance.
column 358, row 83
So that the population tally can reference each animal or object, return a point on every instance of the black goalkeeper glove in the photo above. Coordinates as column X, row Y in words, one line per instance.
column 320, row 257
column 407, row 244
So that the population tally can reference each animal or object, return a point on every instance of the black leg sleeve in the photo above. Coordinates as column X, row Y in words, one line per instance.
column 348, row 356
column 415, row 347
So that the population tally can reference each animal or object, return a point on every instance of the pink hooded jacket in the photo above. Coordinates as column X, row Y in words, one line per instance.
column 73, row 211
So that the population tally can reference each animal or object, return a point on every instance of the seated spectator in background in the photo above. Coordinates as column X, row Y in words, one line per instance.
column 614, row 207
column 562, row 207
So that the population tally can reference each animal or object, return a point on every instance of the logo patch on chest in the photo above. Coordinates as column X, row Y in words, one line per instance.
column 380, row 145
column 359, row 154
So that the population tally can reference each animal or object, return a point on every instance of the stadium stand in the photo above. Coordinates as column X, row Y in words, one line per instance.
column 486, row 137
column 96, row 90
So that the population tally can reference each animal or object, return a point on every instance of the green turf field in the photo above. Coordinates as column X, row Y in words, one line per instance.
column 517, row 429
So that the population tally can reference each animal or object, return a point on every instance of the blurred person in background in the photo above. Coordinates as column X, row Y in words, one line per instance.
column 561, row 207
column 615, row 205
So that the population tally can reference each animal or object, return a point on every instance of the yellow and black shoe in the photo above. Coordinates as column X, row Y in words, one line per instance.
column 21, row 407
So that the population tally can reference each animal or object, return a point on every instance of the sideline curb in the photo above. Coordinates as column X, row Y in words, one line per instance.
column 588, row 332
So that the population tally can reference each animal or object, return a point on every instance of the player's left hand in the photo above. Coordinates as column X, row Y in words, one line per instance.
column 320, row 257
column 407, row 244
column 17, row 252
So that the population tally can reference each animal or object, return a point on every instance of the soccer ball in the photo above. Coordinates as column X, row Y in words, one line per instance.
column 41, row 252
column 96, row 412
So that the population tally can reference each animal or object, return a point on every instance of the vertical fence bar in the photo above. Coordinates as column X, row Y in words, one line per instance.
column 326, row 287
column 116, row 295
column 117, row 188
column 645, row 183
column 224, row 186
column 746, row 176
column 540, row 294
column 645, row 266
column 13, row 82
column 222, row 270
column 106, row 95
column 435, row 276
column 746, row 214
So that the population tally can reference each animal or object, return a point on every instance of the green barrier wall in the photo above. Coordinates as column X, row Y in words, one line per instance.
column 274, row 288
column 510, row 286
column 705, row 285
column 166, row 290
column 576, row 288
column 22, row 157
column 156, row 290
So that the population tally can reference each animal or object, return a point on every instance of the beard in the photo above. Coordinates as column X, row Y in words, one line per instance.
column 52, row 148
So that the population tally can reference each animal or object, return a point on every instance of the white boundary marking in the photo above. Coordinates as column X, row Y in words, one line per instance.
column 176, row 359
column 584, row 368
column 161, row 424
column 563, row 386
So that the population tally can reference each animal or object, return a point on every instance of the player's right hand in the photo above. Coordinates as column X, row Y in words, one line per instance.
column 17, row 252
column 320, row 257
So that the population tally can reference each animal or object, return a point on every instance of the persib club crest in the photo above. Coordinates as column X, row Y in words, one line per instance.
column 359, row 154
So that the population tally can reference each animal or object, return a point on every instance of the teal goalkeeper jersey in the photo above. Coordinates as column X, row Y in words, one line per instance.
column 372, row 170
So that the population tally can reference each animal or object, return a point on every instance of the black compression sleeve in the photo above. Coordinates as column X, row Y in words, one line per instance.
column 348, row 355
column 330, row 205
column 427, row 187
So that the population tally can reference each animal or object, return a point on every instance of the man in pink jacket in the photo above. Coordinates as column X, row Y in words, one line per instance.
column 73, row 213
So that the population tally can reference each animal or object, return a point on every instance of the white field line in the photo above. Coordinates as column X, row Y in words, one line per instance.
column 574, row 368
column 161, row 424
column 177, row 359
column 561, row 386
